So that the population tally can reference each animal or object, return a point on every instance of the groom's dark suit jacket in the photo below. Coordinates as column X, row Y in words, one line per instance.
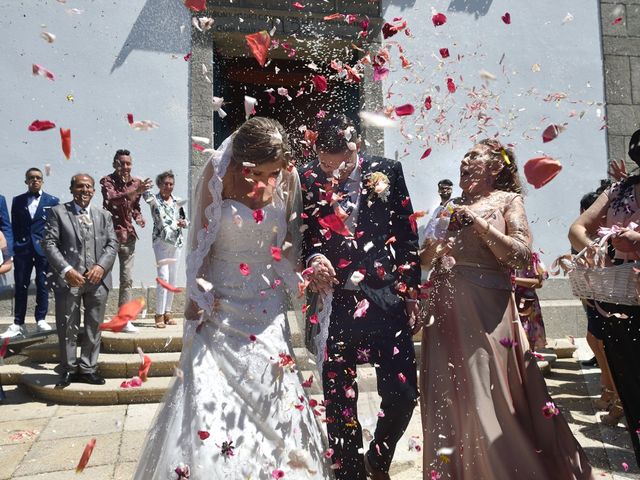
column 385, row 247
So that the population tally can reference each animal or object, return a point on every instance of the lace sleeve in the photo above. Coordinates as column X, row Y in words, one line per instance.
column 518, row 251
column 293, row 238
column 206, row 205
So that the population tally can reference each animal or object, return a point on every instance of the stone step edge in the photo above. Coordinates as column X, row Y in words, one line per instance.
column 42, row 386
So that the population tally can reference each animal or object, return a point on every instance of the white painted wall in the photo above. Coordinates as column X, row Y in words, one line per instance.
column 115, row 57
column 570, row 61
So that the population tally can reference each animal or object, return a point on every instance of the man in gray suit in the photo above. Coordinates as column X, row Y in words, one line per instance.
column 81, row 246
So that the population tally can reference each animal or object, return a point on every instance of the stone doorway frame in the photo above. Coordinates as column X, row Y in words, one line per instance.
column 203, row 45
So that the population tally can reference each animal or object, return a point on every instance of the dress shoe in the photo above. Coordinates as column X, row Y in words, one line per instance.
column 593, row 362
column 372, row 472
column 66, row 378
column 91, row 378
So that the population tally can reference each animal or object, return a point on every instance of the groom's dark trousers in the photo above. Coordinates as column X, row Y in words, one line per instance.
column 383, row 339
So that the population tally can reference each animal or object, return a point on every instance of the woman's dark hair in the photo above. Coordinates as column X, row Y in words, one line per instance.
column 587, row 200
column 331, row 134
column 160, row 178
column 445, row 183
column 508, row 179
column 260, row 140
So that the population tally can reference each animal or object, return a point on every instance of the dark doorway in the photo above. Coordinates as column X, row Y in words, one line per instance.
column 236, row 77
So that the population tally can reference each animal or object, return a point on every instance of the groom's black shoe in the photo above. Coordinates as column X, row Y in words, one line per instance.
column 372, row 472
column 91, row 378
column 66, row 378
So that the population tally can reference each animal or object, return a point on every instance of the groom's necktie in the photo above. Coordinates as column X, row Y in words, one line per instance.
column 347, row 192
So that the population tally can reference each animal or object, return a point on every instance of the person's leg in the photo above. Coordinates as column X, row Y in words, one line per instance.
column 173, row 276
column 23, row 266
column 95, row 303
column 622, row 348
column 68, row 325
column 396, row 371
column 341, row 402
column 341, row 392
column 42, row 295
column 163, row 274
column 126, row 254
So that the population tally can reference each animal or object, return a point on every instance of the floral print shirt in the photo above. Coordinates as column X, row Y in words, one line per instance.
column 165, row 218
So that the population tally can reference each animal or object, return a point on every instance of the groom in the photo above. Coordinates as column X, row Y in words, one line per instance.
column 360, row 244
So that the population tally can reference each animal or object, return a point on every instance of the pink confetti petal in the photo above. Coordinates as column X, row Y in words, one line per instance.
column 43, row 72
column 361, row 308
column 444, row 52
column 426, row 153
column 196, row 5
column 506, row 18
column 451, row 86
column 244, row 269
column 41, row 125
column 439, row 19
column 541, row 170
column 404, row 110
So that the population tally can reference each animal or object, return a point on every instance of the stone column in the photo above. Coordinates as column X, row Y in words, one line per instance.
column 621, row 48
column 200, row 101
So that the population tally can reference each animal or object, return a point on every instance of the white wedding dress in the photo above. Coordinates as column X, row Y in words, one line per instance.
column 235, row 381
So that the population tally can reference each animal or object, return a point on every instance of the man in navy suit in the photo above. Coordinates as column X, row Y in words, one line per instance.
column 28, row 215
column 363, row 251
column 5, row 224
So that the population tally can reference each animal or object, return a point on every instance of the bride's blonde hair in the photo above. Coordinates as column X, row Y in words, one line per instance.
column 260, row 140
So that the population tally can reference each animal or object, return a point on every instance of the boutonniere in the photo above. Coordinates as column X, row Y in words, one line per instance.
column 377, row 184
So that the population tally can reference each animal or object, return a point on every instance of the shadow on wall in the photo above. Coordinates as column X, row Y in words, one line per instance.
column 157, row 29
column 479, row 8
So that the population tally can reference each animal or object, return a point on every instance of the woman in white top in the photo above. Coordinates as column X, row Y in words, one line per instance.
column 168, row 223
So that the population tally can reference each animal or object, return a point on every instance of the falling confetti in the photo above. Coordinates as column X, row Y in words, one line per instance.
column 65, row 139
column 541, row 170
column 86, row 455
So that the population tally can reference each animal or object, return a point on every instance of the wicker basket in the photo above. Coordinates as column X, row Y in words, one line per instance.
column 615, row 284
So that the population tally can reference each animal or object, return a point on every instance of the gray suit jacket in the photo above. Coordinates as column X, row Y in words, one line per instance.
column 62, row 242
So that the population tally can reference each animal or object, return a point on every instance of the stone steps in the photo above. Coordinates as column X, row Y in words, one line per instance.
column 120, row 361
column 42, row 385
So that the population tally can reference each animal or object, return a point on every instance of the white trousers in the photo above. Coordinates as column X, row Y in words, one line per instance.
column 167, row 258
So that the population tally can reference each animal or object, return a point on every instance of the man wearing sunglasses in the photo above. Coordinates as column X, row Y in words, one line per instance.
column 28, row 215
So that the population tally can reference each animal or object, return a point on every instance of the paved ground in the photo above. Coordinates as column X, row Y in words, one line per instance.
column 44, row 442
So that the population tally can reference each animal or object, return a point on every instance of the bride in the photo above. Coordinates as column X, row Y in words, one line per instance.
column 237, row 409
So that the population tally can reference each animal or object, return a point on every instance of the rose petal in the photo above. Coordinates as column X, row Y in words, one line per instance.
column 506, row 18
column 444, row 52
column 439, row 19
column 404, row 110
column 451, row 86
column 541, row 170
column 41, row 125
column 361, row 308
column 65, row 139
column 127, row 312
column 426, row 153
column 244, row 269
column 196, row 5
column 259, row 43
column 167, row 286
column 86, row 455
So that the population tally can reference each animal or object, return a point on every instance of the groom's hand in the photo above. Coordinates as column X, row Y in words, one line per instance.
column 412, row 309
column 323, row 277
